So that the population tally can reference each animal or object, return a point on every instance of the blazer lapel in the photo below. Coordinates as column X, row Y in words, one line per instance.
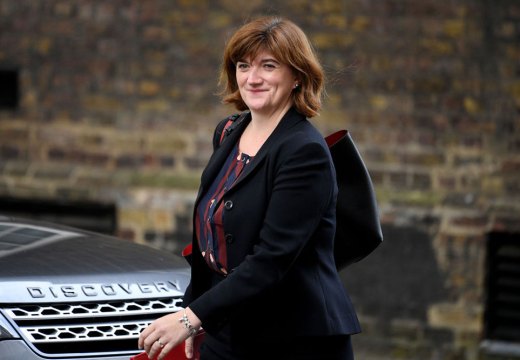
column 291, row 118
column 217, row 160
column 220, row 155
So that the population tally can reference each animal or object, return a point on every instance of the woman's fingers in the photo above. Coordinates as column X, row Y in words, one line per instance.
column 147, row 338
column 150, row 344
column 157, row 348
column 163, row 335
column 188, row 347
column 144, row 336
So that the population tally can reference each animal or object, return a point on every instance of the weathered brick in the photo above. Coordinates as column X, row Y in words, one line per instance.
column 56, row 154
column 421, row 181
column 149, row 88
column 194, row 162
column 511, row 166
column 125, row 233
column 471, row 182
column 512, row 185
column 129, row 161
column 167, row 161
column 117, row 97
column 506, row 222
column 454, row 28
column 50, row 172
column 470, row 221
column 466, row 160
column 423, row 159
column 399, row 179
column 9, row 152
column 73, row 193
column 447, row 182
column 15, row 168
column 408, row 330
column 16, row 131
column 377, row 176
column 93, row 177
column 153, row 106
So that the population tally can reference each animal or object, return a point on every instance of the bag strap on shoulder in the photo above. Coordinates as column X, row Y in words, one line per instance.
column 232, row 122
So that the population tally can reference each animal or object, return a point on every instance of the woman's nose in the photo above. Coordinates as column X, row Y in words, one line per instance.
column 254, row 76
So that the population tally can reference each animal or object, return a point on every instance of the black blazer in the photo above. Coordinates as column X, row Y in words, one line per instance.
column 279, row 222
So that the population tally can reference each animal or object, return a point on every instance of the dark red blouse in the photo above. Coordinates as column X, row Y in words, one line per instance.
column 209, row 222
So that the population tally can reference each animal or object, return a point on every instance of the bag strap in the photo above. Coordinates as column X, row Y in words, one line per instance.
column 225, row 130
column 232, row 122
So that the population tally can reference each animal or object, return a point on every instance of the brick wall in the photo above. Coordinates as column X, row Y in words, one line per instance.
column 117, row 105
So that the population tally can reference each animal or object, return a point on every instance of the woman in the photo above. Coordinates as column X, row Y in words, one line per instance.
column 264, row 283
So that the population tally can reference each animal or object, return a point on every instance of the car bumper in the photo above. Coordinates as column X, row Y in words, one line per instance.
column 17, row 350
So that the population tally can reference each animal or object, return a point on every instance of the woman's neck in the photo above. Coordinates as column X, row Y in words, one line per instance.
column 266, row 122
column 259, row 129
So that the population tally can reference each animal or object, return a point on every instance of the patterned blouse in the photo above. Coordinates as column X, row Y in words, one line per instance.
column 209, row 224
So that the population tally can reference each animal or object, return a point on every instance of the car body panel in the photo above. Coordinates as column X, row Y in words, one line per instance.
column 68, row 294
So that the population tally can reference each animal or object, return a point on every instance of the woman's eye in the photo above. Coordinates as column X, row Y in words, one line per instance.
column 242, row 66
column 269, row 66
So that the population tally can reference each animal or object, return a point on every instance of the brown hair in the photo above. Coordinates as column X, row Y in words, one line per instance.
column 289, row 45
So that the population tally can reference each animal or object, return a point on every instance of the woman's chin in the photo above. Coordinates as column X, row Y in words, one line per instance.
column 256, row 104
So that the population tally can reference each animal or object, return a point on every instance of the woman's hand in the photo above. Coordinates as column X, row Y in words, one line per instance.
column 188, row 347
column 165, row 333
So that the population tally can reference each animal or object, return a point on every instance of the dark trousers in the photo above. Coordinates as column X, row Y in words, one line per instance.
column 304, row 348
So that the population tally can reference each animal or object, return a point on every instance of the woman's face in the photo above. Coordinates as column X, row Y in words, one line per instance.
column 265, row 84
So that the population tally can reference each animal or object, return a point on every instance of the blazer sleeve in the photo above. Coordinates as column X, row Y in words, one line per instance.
column 197, row 262
column 303, row 188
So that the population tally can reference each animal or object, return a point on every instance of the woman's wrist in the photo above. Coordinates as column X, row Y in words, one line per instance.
column 190, row 321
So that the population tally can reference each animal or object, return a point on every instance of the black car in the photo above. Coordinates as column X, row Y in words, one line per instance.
column 72, row 294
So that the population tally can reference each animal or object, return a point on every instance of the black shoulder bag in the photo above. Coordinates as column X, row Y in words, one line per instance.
column 358, row 230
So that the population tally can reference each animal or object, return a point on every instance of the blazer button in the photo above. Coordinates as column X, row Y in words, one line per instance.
column 228, row 205
column 229, row 238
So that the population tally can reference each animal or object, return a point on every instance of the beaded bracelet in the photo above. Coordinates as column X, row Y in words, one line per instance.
column 187, row 324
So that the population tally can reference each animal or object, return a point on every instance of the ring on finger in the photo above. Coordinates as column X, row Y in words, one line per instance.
column 160, row 343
